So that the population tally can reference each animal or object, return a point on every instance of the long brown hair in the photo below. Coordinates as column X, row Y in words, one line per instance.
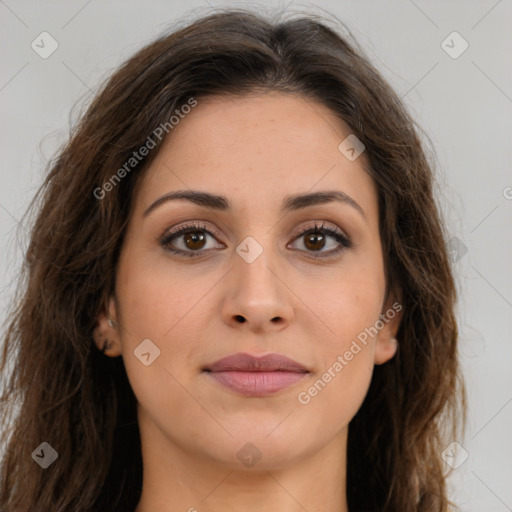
column 64, row 391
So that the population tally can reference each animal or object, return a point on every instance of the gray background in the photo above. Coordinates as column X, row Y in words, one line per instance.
column 464, row 104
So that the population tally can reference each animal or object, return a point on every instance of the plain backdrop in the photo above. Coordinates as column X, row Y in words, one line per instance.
column 462, row 100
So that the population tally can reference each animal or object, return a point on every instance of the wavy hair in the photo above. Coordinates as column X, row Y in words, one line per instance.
column 63, row 390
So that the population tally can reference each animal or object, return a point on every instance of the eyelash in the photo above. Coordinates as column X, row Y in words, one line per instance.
column 342, row 239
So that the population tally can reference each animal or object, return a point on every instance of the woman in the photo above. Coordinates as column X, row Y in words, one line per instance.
column 237, row 294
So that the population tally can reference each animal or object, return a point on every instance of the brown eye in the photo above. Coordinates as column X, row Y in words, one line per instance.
column 194, row 241
column 189, row 240
column 314, row 241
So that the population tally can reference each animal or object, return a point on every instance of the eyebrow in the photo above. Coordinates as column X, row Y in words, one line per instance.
column 290, row 203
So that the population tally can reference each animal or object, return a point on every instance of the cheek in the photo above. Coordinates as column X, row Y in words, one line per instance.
column 346, row 355
column 150, row 314
column 153, row 300
column 160, row 306
column 350, row 308
column 333, row 397
column 349, row 305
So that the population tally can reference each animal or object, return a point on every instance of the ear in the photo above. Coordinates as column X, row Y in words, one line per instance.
column 391, row 316
column 106, row 332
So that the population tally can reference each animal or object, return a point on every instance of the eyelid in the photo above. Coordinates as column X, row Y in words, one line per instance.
column 193, row 225
column 323, row 225
column 197, row 225
column 342, row 238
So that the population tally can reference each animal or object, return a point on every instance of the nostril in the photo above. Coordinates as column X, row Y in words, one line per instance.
column 240, row 319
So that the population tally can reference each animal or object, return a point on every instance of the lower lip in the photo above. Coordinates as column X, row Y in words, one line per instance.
column 257, row 383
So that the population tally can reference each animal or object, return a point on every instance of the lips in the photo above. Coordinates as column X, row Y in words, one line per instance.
column 248, row 363
column 256, row 376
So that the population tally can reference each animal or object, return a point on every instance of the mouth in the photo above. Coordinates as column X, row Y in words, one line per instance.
column 256, row 376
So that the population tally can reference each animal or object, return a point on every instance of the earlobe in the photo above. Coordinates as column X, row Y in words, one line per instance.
column 385, row 350
column 386, row 343
column 106, row 333
column 109, row 347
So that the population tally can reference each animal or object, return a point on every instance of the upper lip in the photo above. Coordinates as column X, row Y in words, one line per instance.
column 248, row 363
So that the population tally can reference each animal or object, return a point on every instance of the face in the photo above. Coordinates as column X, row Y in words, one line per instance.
column 257, row 272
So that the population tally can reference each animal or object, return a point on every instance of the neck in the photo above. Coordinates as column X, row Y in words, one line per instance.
column 177, row 479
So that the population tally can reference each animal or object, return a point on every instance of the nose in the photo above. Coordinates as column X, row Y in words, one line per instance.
column 257, row 297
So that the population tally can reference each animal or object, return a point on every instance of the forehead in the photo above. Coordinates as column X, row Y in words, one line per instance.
column 257, row 149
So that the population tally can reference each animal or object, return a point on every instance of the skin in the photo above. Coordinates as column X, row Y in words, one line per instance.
column 254, row 150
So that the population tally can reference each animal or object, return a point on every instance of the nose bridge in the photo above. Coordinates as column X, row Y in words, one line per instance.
column 259, row 295
column 252, row 266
